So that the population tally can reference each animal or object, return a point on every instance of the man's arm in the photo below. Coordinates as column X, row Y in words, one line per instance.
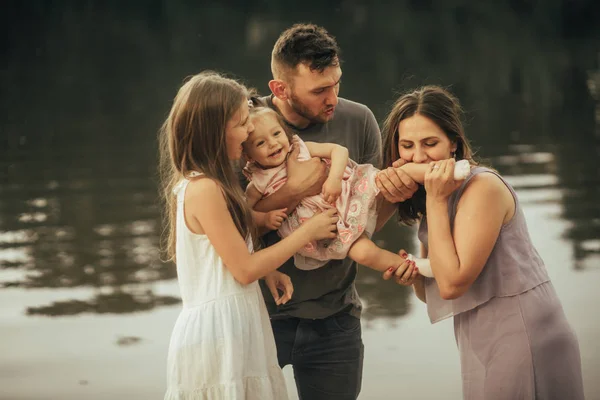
column 305, row 178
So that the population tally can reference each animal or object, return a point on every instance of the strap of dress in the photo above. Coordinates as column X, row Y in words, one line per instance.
column 180, row 187
column 455, row 197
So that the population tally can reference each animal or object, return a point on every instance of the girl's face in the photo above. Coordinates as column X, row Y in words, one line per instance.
column 268, row 145
column 236, row 131
column 421, row 141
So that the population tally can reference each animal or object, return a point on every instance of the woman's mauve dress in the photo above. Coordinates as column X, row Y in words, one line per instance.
column 512, row 334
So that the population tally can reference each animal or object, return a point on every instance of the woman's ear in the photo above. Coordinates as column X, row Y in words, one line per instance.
column 278, row 87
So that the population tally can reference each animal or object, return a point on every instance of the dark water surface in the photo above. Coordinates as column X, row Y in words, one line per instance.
column 86, row 305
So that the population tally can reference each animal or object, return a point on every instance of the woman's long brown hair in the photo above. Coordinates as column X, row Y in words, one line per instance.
column 193, row 139
column 441, row 107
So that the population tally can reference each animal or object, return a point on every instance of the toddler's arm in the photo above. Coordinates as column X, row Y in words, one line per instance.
column 336, row 153
column 265, row 221
column 417, row 171
column 332, row 188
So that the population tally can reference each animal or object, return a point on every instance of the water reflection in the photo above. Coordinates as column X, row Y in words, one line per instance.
column 118, row 301
column 87, row 88
column 578, row 135
column 383, row 299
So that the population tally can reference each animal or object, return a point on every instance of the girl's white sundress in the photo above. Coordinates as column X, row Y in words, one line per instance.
column 222, row 345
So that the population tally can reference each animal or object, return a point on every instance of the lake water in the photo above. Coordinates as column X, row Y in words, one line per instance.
column 86, row 305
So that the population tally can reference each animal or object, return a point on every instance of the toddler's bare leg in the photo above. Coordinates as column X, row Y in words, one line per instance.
column 417, row 171
column 367, row 253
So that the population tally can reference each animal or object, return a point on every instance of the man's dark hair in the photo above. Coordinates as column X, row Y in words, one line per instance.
column 304, row 44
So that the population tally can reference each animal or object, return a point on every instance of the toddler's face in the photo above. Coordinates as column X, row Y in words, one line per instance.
column 268, row 145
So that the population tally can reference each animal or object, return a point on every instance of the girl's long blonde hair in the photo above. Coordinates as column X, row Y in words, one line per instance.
column 193, row 139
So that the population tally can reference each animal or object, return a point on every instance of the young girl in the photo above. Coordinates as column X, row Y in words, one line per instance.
column 222, row 345
column 512, row 333
column 350, row 188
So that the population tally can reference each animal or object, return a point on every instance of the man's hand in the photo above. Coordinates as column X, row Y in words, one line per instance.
column 278, row 281
column 395, row 184
column 305, row 178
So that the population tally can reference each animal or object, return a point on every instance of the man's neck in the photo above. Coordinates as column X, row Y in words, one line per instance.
column 290, row 116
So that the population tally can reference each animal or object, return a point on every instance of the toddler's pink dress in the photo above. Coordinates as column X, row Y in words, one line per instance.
column 356, row 208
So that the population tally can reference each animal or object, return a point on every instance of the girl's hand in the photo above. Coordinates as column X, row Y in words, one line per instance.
column 322, row 225
column 404, row 274
column 276, row 282
column 332, row 188
column 439, row 180
column 274, row 219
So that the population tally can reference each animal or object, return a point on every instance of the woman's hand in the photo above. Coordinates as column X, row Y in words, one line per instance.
column 405, row 274
column 274, row 219
column 439, row 180
column 332, row 188
column 277, row 281
column 394, row 184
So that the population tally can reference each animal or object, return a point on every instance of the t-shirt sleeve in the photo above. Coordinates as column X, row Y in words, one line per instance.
column 372, row 141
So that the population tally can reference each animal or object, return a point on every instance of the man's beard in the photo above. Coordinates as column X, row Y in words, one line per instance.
column 303, row 111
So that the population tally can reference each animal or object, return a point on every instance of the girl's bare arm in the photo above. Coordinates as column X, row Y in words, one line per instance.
column 206, row 212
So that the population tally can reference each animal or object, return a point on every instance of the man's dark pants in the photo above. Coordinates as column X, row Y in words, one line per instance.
column 326, row 355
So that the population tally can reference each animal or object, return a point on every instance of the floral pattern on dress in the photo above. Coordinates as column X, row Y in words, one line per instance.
column 356, row 208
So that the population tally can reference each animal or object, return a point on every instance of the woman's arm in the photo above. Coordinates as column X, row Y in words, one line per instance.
column 206, row 210
column 458, row 257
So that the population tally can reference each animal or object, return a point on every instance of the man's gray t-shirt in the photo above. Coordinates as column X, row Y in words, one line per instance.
column 328, row 290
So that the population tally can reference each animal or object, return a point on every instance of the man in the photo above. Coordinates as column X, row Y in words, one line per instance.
column 318, row 331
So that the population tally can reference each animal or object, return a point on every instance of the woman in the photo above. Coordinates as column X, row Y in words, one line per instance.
column 513, row 337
